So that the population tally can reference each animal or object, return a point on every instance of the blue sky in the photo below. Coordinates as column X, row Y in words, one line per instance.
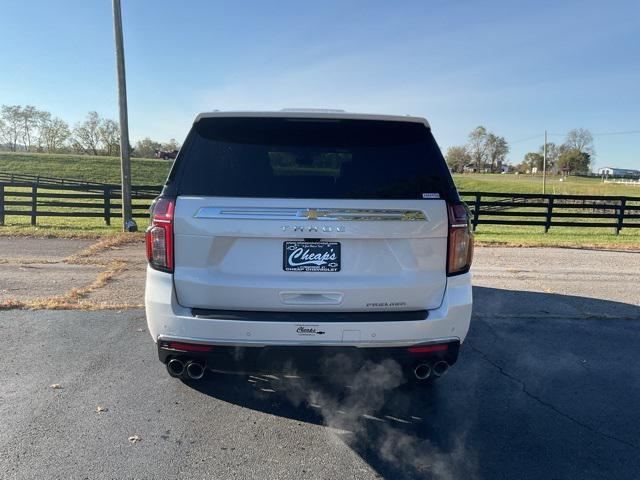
column 516, row 67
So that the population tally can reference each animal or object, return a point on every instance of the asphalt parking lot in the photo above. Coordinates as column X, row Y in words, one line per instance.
column 547, row 386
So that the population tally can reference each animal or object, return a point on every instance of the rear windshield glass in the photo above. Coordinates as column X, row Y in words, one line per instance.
column 310, row 158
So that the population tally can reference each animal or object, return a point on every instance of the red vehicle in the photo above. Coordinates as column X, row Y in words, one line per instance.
column 166, row 154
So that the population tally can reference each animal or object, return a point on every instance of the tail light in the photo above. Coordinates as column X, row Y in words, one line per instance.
column 460, row 248
column 188, row 347
column 441, row 347
column 159, row 235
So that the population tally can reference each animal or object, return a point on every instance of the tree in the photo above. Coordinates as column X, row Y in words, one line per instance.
column 44, row 118
column 170, row 146
column 146, row 148
column 29, row 116
column 497, row 149
column 58, row 134
column 4, row 133
column 580, row 139
column 52, row 132
column 533, row 160
column 10, row 115
column 457, row 158
column 553, row 152
column 109, row 132
column 574, row 161
column 523, row 167
column 3, row 128
column 478, row 147
column 87, row 134
column 508, row 167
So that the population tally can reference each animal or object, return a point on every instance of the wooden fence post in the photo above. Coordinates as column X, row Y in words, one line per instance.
column 107, row 205
column 623, row 204
column 547, row 225
column 34, row 204
column 476, row 212
column 1, row 204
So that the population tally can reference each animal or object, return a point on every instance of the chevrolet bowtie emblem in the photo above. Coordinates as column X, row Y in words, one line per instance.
column 312, row 214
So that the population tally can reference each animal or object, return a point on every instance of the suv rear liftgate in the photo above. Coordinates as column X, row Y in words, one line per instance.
column 297, row 225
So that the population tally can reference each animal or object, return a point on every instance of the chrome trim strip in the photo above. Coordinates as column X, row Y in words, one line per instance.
column 313, row 214
column 243, row 343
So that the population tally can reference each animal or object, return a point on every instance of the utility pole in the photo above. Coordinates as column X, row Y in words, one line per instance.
column 544, row 164
column 128, row 224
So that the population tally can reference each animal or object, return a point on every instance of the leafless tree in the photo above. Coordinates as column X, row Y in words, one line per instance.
column 580, row 139
column 29, row 116
column 4, row 133
column 53, row 132
column 10, row 116
column 86, row 135
column 43, row 119
column 553, row 153
column 110, row 136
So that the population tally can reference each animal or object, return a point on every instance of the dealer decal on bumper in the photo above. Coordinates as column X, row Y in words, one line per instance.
column 308, row 330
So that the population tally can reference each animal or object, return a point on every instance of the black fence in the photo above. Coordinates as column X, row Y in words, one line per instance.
column 548, row 211
column 51, row 197
column 30, row 199
column 17, row 179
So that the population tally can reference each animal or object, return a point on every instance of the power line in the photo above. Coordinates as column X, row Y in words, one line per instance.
column 600, row 134
column 525, row 139
column 627, row 132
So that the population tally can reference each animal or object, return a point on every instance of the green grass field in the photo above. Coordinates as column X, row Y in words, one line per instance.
column 150, row 172
column 84, row 167
column 145, row 171
column 533, row 184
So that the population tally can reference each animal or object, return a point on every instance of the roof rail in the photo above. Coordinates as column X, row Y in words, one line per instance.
column 316, row 110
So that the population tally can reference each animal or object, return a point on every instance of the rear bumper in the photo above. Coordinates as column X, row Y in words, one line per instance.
column 244, row 340
column 303, row 359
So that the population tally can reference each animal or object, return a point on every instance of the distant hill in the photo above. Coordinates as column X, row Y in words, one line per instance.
column 84, row 167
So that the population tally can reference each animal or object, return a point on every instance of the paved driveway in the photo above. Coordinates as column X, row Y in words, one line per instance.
column 547, row 386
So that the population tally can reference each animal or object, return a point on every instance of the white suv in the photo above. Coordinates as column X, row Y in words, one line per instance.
column 308, row 240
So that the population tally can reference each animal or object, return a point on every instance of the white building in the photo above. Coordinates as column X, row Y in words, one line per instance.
column 618, row 172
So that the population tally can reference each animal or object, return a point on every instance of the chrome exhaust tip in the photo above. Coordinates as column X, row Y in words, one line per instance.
column 422, row 371
column 440, row 368
column 175, row 367
column 195, row 370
